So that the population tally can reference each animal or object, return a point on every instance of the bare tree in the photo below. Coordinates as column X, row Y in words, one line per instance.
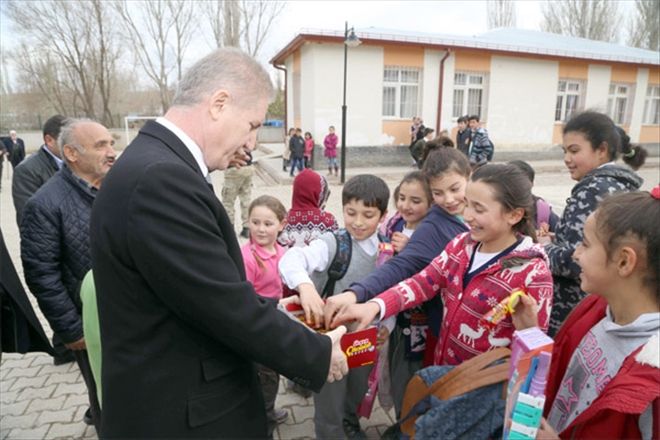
column 501, row 13
column 147, row 27
column 592, row 19
column 184, row 15
column 232, row 23
column 244, row 24
column 83, row 51
column 258, row 18
column 645, row 25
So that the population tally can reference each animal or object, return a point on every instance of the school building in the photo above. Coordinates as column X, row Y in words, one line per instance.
column 524, row 84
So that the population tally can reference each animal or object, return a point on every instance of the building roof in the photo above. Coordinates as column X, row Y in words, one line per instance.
column 500, row 40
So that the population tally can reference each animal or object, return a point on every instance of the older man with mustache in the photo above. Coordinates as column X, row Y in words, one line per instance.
column 55, row 247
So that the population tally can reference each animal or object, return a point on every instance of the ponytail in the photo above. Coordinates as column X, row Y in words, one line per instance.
column 633, row 155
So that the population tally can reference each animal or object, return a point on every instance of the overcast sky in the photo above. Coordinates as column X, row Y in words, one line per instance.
column 440, row 16
column 467, row 17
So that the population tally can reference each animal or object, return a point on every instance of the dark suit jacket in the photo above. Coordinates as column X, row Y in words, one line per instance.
column 180, row 325
column 29, row 176
column 16, row 152
column 19, row 326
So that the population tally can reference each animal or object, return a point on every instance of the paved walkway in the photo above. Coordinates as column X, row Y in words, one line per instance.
column 39, row 400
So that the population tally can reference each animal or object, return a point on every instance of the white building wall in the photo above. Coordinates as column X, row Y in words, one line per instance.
column 322, row 91
column 448, row 93
column 289, row 91
column 308, row 99
column 598, row 87
column 431, row 73
column 521, row 105
column 638, row 104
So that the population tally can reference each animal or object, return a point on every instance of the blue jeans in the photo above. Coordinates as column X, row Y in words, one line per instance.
column 297, row 161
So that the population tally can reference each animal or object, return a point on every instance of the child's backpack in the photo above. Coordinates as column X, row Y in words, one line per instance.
column 342, row 260
column 464, row 401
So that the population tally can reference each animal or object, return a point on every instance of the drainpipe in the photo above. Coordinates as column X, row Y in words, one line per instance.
column 286, row 100
column 440, row 81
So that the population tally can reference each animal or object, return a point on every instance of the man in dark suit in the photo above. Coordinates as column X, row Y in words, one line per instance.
column 180, row 325
column 15, row 147
column 32, row 173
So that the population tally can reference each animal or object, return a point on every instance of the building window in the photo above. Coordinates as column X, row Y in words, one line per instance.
column 401, row 91
column 469, row 94
column 652, row 106
column 618, row 103
column 568, row 99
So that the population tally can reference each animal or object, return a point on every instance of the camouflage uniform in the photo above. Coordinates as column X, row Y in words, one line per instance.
column 238, row 183
column 585, row 196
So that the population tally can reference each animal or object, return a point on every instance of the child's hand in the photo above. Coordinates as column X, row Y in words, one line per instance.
column 293, row 299
column 312, row 304
column 399, row 241
column 546, row 238
column 383, row 336
column 364, row 314
column 526, row 313
column 546, row 432
column 336, row 303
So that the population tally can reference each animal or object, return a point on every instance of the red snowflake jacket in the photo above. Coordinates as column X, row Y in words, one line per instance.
column 461, row 335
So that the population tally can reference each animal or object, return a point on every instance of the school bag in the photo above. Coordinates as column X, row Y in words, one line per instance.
column 342, row 260
column 466, row 401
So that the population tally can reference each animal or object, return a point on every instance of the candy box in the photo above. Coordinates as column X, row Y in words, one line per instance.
column 359, row 347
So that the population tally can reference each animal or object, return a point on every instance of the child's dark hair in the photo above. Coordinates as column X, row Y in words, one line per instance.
column 445, row 160
column 633, row 155
column 598, row 128
column 434, row 144
column 473, row 118
column 310, row 134
column 271, row 203
column 632, row 215
column 512, row 189
column 525, row 168
column 462, row 119
column 416, row 176
column 370, row 189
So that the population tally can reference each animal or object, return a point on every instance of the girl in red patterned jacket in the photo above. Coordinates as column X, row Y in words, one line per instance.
column 477, row 270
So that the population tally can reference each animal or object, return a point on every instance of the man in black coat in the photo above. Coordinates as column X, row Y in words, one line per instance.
column 15, row 147
column 32, row 173
column 20, row 329
column 180, row 325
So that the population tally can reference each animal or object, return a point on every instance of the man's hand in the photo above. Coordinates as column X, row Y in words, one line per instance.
column 77, row 345
column 239, row 160
column 338, row 365
column 312, row 304
column 336, row 303
column 364, row 314
column 526, row 313
column 399, row 241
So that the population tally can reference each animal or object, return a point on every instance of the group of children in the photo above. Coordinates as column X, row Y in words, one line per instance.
column 463, row 241
column 299, row 151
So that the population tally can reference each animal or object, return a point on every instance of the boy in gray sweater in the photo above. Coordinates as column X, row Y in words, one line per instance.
column 305, row 269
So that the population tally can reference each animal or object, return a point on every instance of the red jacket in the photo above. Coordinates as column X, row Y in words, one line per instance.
column 461, row 335
column 615, row 413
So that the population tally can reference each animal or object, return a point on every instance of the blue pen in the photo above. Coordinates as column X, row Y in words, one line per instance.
column 530, row 375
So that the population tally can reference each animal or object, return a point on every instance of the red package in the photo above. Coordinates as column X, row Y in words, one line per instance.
column 359, row 347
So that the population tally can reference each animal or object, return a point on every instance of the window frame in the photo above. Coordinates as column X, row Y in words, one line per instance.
column 564, row 95
column 652, row 95
column 465, row 87
column 613, row 95
column 398, row 82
